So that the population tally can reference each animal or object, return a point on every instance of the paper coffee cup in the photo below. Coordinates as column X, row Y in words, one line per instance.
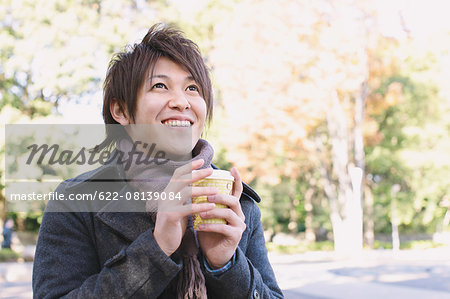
column 223, row 181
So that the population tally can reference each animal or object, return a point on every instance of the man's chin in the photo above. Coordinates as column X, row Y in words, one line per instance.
column 164, row 142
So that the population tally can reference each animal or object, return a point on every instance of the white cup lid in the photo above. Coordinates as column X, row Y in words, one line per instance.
column 221, row 175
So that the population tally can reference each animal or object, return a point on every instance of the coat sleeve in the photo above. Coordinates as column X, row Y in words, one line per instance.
column 67, row 266
column 251, row 276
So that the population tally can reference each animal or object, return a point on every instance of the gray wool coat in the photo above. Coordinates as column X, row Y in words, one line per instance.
column 114, row 254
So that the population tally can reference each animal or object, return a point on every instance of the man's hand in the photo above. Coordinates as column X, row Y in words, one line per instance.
column 219, row 241
column 171, row 219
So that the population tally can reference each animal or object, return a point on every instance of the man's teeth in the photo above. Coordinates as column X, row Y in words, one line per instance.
column 177, row 123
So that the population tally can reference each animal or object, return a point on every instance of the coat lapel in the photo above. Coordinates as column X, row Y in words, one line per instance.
column 129, row 225
column 125, row 217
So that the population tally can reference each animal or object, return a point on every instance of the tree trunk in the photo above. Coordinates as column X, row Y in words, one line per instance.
column 358, row 128
column 446, row 220
column 330, row 191
column 348, row 229
column 338, row 134
column 360, row 99
column 369, row 235
column 394, row 222
column 355, row 214
column 394, row 218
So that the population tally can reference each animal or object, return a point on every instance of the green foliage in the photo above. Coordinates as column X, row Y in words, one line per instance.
column 26, row 221
column 55, row 51
column 220, row 160
column 8, row 255
column 405, row 134
column 410, row 245
column 301, row 247
column 276, row 206
column 32, row 221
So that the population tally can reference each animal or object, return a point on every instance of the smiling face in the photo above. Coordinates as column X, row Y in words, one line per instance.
column 170, row 100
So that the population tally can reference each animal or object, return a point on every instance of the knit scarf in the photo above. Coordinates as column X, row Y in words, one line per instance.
column 190, row 282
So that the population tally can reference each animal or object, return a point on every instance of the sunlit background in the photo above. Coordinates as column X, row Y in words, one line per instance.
column 336, row 112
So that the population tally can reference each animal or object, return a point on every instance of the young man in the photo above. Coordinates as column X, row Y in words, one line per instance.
column 161, row 83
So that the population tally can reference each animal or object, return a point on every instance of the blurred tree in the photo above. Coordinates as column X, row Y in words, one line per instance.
column 306, row 93
column 290, row 74
column 408, row 113
column 57, row 51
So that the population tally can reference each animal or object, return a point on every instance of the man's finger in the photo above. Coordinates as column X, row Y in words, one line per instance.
column 237, row 186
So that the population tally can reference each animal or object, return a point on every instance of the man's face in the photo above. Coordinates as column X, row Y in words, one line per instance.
column 171, row 100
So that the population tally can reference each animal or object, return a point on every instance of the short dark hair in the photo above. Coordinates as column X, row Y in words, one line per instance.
column 128, row 69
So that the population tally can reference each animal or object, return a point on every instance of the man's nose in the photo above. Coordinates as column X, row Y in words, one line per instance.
column 179, row 101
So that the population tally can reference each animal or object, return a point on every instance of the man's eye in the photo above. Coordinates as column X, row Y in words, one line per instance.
column 192, row 88
column 159, row 85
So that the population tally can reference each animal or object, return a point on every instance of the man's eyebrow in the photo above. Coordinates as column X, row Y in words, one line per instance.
column 150, row 78
column 188, row 78
column 158, row 76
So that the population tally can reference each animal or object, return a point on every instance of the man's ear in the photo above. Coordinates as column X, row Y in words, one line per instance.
column 119, row 114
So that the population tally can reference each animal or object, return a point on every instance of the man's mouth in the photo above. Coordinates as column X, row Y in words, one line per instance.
column 177, row 123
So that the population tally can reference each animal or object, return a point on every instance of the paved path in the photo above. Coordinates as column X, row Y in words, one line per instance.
column 15, row 280
column 373, row 274
column 320, row 275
